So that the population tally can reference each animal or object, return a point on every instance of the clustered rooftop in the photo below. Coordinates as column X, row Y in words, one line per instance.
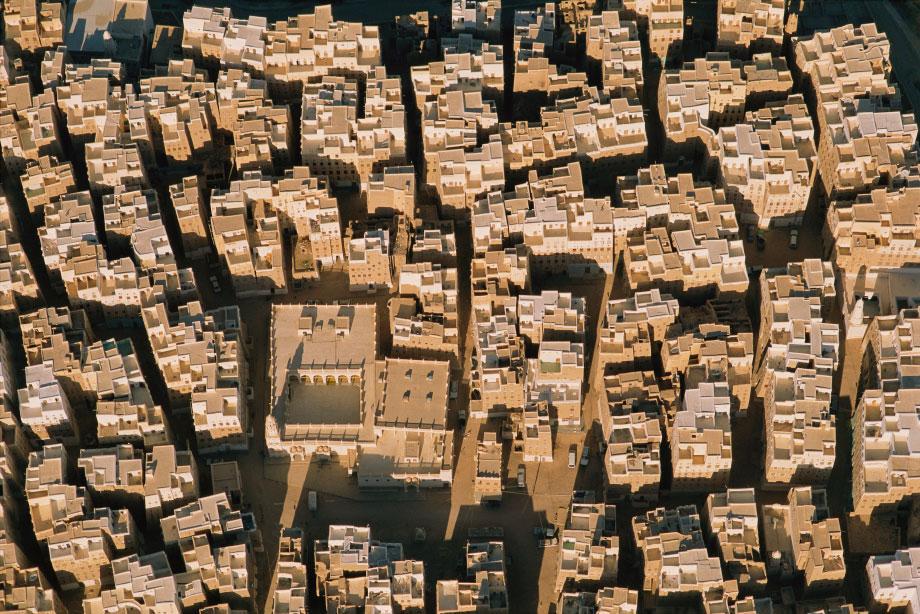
column 231, row 247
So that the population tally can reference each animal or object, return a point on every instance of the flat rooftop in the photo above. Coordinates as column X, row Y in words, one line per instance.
column 415, row 393
column 324, row 404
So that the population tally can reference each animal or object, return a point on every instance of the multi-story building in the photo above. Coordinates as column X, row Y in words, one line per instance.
column 844, row 62
column 347, row 146
column 456, row 119
column 802, row 540
column 535, row 433
column 565, row 231
column 674, row 554
column 484, row 589
column 885, row 421
column 864, row 141
column 370, row 261
column 612, row 45
column 30, row 26
column 292, row 592
column 305, row 205
column 170, row 481
column 114, row 476
column 768, row 163
column 556, row 377
column 43, row 181
column 391, row 192
column 18, row 286
column 191, row 212
column 247, row 236
column 468, row 65
column 679, row 236
column 589, row 547
column 893, row 579
column 487, row 483
column 700, row 348
column 663, row 20
column 734, row 529
column 800, row 354
column 262, row 138
column 632, row 326
column 632, row 460
column 201, row 359
column 869, row 234
column 110, row 165
column 701, row 437
column 52, row 501
column 751, row 25
column 44, row 407
column 464, row 176
column 604, row 134
column 481, row 17
column 612, row 600
column 551, row 316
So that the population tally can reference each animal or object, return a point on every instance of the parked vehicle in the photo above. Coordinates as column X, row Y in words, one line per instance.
column 794, row 238
column 311, row 501
column 454, row 390
column 585, row 456
column 573, row 451
column 215, row 284
column 522, row 477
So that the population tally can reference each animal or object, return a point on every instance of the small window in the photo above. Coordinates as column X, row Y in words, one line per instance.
column 429, row 397
column 430, row 376
column 406, row 396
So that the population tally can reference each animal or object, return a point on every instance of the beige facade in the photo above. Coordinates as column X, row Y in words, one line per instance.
column 768, row 163
column 344, row 145
column 799, row 355
column 52, row 501
column 869, row 234
column 30, row 26
column 457, row 119
column 864, row 141
column 610, row 600
column 662, row 250
column 45, row 180
column 468, row 65
column 734, row 528
column 481, row 17
column 462, row 177
column 589, row 547
column 751, row 25
column 189, row 204
column 170, row 481
column 893, row 581
column 485, row 587
column 701, row 437
column 370, row 261
column 391, row 192
column 675, row 559
column 605, row 134
column 612, row 44
column 210, row 383
column 884, row 422
column 551, row 316
column 556, row 376
column 18, row 286
column 487, row 481
column 247, row 236
column 801, row 539
column 292, row 591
